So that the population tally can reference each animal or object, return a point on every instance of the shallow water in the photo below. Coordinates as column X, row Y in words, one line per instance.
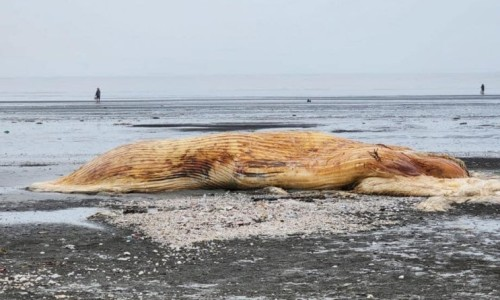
column 463, row 126
column 73, row 216
column 464, row 237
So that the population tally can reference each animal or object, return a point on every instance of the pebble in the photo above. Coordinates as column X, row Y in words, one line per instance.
column 123, row 258
column 236, row 215
column 69, row 246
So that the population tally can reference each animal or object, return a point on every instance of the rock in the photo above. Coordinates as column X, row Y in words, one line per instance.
column 103, row 216
column 275, row 191
column 135, row 210
column 69, row 246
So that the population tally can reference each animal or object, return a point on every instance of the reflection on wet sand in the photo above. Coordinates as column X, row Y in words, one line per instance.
column 72, row 216
column 216, row 127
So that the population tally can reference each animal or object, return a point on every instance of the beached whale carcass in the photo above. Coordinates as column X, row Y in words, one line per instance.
column 237, row 160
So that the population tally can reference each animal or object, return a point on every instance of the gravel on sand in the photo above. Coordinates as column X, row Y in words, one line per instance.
column 187, row 220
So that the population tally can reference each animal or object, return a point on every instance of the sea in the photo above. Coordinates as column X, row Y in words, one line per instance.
column 245, row 86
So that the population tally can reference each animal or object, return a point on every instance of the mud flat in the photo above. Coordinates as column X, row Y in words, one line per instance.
column 357, row 247
column 240, row 245
column 419, row 255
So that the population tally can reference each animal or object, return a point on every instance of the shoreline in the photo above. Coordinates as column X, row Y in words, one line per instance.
column 186, row 99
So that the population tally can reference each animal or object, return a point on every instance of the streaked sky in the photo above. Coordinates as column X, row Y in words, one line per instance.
column 203, row 37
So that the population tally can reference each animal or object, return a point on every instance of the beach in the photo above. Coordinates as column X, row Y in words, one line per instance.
column 262, row 244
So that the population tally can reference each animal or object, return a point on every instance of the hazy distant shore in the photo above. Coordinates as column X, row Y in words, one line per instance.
column 213, row 87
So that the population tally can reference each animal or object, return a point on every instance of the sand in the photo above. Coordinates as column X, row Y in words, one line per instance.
column 231, row 244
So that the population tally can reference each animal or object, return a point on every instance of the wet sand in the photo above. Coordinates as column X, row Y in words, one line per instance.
column 410, row 255
column 369, row 247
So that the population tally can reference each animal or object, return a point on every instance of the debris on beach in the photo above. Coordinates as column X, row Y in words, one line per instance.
column 185, row 221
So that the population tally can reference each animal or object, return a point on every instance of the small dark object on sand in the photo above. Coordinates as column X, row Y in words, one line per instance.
column 135, row 210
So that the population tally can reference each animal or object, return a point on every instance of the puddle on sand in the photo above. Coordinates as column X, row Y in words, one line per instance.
column 470, row 237
column 72, row 216
column 475, row 224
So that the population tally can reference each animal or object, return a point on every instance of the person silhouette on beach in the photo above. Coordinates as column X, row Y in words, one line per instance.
column 482, row 89
column 98, row 96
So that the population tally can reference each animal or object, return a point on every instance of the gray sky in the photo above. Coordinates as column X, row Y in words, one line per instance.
column 184, row 37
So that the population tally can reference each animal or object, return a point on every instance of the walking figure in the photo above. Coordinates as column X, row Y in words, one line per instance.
column 98, row 96
column 482, row 89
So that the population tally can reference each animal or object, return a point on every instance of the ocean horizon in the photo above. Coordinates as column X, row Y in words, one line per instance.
column 144, row 88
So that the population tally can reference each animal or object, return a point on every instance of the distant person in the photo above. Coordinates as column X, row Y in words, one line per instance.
column 482, row 89
column 98, row 96
column 308, row 100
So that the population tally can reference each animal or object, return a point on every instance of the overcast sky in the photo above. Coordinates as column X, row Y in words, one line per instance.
column 185, row 37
